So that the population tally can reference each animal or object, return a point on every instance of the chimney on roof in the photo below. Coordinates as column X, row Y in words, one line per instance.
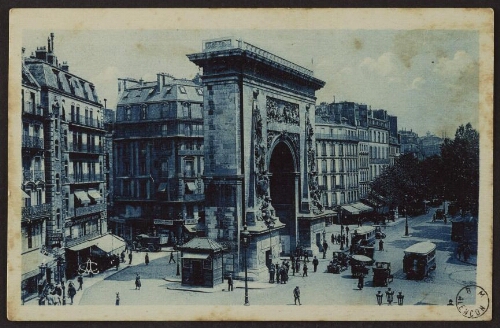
column 65, row 66
column 48, row 44
column 41, row 53
column 51, row 42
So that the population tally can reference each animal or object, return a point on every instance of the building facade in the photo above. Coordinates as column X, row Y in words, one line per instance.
column 378, row 133
column 73, row 141
column 410, row 143
column 430, row 145
column 158, row 159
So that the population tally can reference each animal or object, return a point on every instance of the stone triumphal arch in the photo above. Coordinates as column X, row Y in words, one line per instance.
column 260, row 164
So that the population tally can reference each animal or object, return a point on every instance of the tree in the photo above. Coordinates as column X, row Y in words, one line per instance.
column 461, row 168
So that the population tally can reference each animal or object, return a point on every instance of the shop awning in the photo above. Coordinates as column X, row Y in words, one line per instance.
column 190, row 228
column 162, row 187
column 108, row 243
column 94, row 194
column 31, row 262
column 191, row 186
column 362, row 207
column 25, row 195
column 82, row 196
column 350, row 209
column 195, row 256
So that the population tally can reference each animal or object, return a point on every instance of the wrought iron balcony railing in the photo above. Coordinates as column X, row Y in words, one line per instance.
column 35, row 211
column 32, row 142
column 85, row 177
column 84, row 148
column 33, row 175
column 80, row 211
column 87, row 121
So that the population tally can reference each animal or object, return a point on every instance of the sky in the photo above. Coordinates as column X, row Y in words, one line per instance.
column 429, row 79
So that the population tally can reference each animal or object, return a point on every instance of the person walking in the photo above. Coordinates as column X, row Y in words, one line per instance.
column 138, row 281
column 297, row 267
column 381, row 245
column 315, row 263
column 146, row 259
column 172, row 259
column 346, row 241
column 278, row 273
column 333, row 239
column 296, row 295
column 325, row 248
column 347, row 230
column 122, row 256
column 80, row 282
column 361, row 281
column 117, row 302
column 230, row 283
column 304, row 270
column 71, row 291
column 130, row 258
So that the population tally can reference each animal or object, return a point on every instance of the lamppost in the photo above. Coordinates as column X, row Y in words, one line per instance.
column 406, row 216
column 61, row 267
column 178, row 269
column 245, row 242
column 339, row 213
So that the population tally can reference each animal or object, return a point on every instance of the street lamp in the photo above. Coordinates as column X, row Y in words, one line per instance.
column 406, row 216
column 245, row 242
column 61, row 267
column 178, row 269
column 339, row 213
column 400, row 297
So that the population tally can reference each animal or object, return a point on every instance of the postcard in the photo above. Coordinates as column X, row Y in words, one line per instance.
column 250, row 164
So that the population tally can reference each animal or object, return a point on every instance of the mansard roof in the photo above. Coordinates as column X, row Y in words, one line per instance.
column 51, row 76
column 28, row 79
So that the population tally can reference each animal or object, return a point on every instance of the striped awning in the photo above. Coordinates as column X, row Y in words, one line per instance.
column 82, row 196
column 350, row 209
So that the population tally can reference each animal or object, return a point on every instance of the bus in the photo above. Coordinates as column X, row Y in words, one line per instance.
column 363, row 241
column 419, row 259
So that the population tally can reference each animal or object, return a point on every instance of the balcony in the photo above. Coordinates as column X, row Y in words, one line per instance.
column 379, row 161
column 33, row 175
column 32, row 142
column 84, row 148
column 35, row 211
column 81, row 211
column 194, row 197
column 86, row 121
column 325, row 136
column 85, row 177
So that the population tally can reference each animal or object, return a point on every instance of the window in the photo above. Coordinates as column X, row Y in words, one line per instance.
column 207, row 264
column 182, row 89
column 58, row 183
column 199, row 91
column 126, row 188
column 189, row 168
column 127, row 114
column 323, row 149
column 143, row 112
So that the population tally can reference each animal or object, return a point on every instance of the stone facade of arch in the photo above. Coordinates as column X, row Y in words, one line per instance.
column 253, row 101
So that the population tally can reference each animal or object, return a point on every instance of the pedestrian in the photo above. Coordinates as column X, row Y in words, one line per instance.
column 347, row 230
column 146, row 259
column 381, row 245
column 80, row 282
column 71, row 291
column 293, row 268
column 277, row 273
column 171, row 258
column 315, row 263
column 122, row 256
column 325, row 248
column 304, row 269
column 138, row 281
column 230, row 283
column 117, row 302
column 333, row 238
column 346, row 241
column 271, row 273
column 296, row 295
column 361, row 281
column 130, row 258
column 297, row 267
column 116, row 259
column 306, row 256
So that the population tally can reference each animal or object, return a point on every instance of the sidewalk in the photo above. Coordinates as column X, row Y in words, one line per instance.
column 137, row 259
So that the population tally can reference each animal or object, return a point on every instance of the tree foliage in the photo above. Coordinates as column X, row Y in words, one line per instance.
column 454, row 175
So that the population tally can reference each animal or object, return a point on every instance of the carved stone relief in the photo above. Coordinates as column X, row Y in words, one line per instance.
column 314, row 191
column 281, row 111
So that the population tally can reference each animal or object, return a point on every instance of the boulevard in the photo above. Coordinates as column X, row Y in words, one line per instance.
column 161, row 286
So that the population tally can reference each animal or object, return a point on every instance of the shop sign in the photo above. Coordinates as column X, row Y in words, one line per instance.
column 164, row 222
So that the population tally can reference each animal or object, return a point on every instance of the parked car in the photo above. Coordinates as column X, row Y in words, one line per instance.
column 145, row 242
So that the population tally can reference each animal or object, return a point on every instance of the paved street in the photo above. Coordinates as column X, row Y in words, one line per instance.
column 159, row 280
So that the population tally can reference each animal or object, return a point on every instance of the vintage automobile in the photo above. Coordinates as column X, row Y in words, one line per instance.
column 382, row 274
column 145, row 242
column 359, row 265
column 439, row 215
column 378, row 232
column 419, row 259
column 339, row 263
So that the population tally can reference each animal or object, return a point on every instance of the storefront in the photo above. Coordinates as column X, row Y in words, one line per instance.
column 36, row 267
column 100, row 250
column 202, row 262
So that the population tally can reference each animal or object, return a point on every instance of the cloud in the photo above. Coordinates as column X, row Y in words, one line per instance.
column 453, row 68
column 417, row 83
column 384, row 65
